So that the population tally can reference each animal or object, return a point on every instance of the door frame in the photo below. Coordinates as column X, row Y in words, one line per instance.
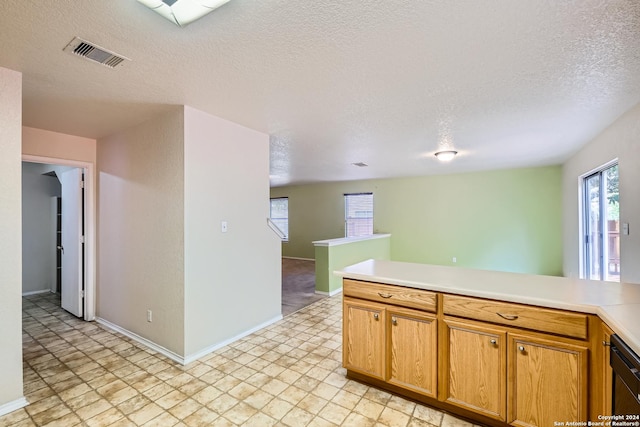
column 89, row 224
column 583, row 212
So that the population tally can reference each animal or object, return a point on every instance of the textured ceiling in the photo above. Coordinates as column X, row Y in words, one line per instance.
column 508, row 83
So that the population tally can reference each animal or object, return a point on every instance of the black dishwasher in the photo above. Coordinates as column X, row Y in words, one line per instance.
column 626, row 379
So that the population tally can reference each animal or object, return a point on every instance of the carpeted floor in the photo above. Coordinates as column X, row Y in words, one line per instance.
column 298, row 285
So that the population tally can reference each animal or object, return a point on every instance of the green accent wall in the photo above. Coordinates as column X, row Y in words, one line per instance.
column 504, row 220
column 336, row 257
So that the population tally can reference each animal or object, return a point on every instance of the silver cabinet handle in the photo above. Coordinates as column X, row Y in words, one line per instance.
column 376, row 316
column 394, row 320
column 494, row 342
column 521, row 348
column 60, row 248
column 385, row 295
column 606, row 344
column 507, row 316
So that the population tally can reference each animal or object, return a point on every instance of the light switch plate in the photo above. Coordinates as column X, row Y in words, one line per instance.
column 223, row 226
column 625, row 228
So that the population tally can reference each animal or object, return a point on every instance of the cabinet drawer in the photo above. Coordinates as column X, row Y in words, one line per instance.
column 389, row 294
column 520, row 316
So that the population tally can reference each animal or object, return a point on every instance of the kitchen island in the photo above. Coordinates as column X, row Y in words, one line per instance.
column 499, row 348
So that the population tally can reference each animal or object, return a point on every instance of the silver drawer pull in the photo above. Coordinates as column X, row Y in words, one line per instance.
column 508, row 316
column 606, row 343
column 385, row 295
column 521, row 348
column 376, row 316
column 494, row 342
column 394, row 320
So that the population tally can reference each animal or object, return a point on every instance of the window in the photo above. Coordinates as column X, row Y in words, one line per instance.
column 358, row 214
column 601, row 225
column 279, row 214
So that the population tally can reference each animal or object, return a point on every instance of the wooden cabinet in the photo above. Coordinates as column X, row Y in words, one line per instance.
column 364, row 337
column 413, row 350
column 474, row 361
column 522, row 316
column 391, row 295
column 547, row 374
column 606, row 370
column 389, row 341
column 547, row 381
column 500, row 362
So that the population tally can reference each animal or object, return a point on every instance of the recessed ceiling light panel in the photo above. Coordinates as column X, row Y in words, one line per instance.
column 183, row 12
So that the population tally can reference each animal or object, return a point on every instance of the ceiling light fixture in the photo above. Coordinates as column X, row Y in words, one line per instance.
column 446, row 156
column 183, row 12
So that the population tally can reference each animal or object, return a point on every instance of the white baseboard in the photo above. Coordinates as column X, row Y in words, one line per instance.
column 301, row 259
column 192, row 357
column 330, row 294
column 170, row 354
column 44, row 291
column 13, row 406
column 195, row 356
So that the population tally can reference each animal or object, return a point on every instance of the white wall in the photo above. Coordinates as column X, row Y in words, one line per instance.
column 233, row 279
column 141, row 230
column 39, row 142
column 621, row 140
column 10, row 238
column 38, row 228
column 164, row 188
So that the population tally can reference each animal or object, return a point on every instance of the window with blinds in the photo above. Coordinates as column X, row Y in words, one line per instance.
column 358, row 214
column 279, row 214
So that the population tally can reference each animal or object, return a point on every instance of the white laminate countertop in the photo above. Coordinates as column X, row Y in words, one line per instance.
column 618, row 304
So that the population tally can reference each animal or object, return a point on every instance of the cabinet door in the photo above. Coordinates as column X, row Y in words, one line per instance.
column 547, row 381
column 607, row 371
column 475, row 361
column 413, row 361
column 364, row 337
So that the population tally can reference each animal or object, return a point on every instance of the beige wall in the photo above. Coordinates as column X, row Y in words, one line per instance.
column 164, row 188
column 38, row 142
column 141, row 230
column 621, row 140
column 10, row 238
column 232, row 279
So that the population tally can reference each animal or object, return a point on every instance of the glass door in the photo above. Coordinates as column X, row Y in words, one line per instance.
column 593, row 229
column 602, row 225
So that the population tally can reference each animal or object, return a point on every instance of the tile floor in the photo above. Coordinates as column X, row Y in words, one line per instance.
column 289, row 374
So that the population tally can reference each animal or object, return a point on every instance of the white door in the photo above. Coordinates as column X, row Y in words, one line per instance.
column 72, row 253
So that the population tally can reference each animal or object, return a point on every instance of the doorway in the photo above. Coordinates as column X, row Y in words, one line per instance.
column 298, row 284
column 81, row 302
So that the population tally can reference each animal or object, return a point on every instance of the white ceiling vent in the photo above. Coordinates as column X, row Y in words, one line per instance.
column 95, row 53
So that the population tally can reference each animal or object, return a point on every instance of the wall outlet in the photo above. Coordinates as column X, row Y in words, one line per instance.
column 149, row 316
